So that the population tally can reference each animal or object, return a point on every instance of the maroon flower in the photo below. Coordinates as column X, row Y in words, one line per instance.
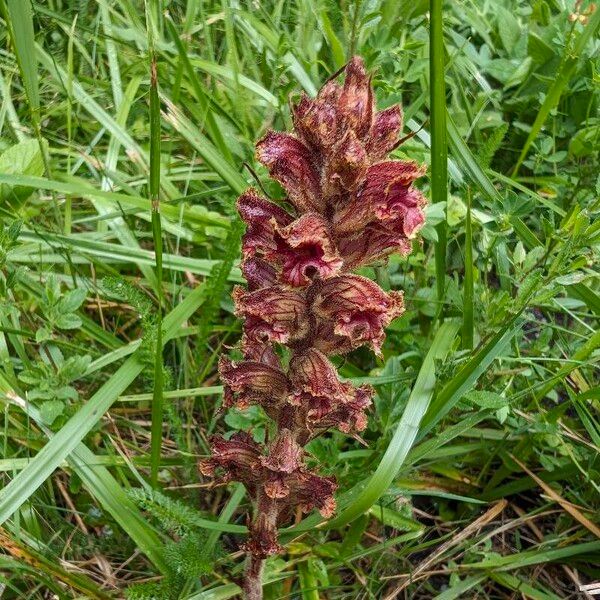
column 386, row 195
column 262, row 218
column 306, row 250
column 238, row 457
column 290, row 163
column 356, row 99
column 358, row 308
column 259, row 273
column 349, row 207
column 251, row 382
column 273, row 314
column 385, row 132
column 326, row 401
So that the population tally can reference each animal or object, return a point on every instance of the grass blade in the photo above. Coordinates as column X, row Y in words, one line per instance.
column 13, row 495
column 467, row 331
column 439, row 148
column 406, row 431
column 559, row 83
column 154, row 187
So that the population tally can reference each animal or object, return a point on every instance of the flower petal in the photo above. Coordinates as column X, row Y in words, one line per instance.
column 261, row 218
column 317, row 121
column 239, row 457
column 356, row 100
column 258, row 273
column 375, row 242
column 386, row 194
column 285, row 455
column 291, row 163
column 322, row 398
column 312, row 491
column 273, row 314
column 359, row 309
column 346, row 167
column 385, row 133
column 251, row 382
column 306, row 251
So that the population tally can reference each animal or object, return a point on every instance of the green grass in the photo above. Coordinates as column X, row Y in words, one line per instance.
column 119, row 245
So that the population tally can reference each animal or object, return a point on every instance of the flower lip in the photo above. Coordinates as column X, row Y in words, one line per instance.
column 306, row 251
column 251, row 382
column 291, row 163
column 273, row 314
column 359, row 309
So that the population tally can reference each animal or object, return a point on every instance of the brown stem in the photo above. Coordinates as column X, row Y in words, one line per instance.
column 253, row 578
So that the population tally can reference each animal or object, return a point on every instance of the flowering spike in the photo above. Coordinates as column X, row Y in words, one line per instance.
column 351, row 207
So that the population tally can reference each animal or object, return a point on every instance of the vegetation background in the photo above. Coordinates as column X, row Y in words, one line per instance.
column 480, row 473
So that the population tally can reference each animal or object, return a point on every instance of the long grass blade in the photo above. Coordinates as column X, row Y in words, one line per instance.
column 405, row 433
column 13, row 495
column 439, row 148
column 154, row 187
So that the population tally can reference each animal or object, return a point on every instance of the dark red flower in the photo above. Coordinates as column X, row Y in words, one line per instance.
column 262, row 217
column 373, row 243
column 259, row 273
column 324, row 400
column 238, row 457
column 385, row 133
column 351, row 207
column 385, row 195
column 312, row 491
column 358, row 308
column 306, row 250
column 273, row 314
column 251, row 382
column 356, row 99
column 291, row 163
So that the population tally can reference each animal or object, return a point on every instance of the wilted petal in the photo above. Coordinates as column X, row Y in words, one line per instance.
column 347, row 165
column 273, row 314
column 387, row 194
column 258, row 273
column 260, row 351
column 261, row 218
column 356, row 100
column 316, row 121
column 385, row 133
column 291, row 163
column 312, row 372
column 311, row 491
column 359, row 309
column 306, row 251
column 373, row 243
column 251, row 382
column 239, row 457
column 349, row 415
column 325, row 400
column 285, row 455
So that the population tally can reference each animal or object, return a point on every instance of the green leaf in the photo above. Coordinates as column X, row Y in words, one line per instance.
column 24, row 158
column 51, row 410
column 68, row 321
column 488, row 400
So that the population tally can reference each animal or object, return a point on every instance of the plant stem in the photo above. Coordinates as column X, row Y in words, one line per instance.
column 253, row 578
